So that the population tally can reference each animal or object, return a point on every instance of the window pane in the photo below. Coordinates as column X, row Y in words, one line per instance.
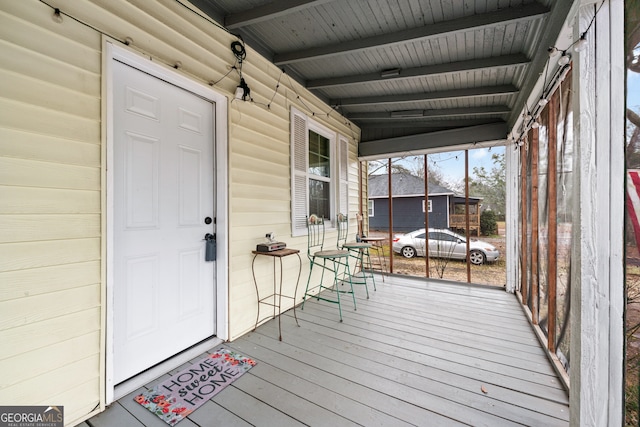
column 319, row 192
column 449, row 238
column 319, row 157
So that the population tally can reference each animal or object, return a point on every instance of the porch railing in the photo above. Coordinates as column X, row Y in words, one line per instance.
column 459, row 222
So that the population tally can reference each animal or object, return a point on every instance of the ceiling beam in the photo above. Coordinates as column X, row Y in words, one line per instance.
column 432, row 142
column 445, row 112
column 438, row 29
column 428, row 70
column 443, row 123
column 551, row 28
column 268, row 11
column 471, row 92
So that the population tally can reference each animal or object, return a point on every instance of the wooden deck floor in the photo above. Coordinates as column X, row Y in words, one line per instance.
column 416, row 353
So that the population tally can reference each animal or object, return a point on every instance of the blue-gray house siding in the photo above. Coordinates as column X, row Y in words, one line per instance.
column 408, row 196
column 408, row 214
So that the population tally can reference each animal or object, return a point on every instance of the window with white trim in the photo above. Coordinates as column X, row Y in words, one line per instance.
column 430, row 206
column 371, row 208
column 319, row 172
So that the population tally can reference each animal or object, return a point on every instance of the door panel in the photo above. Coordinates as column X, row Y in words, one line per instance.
column 163, row 168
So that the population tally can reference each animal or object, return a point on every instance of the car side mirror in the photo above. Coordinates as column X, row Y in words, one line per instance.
column 460, row 241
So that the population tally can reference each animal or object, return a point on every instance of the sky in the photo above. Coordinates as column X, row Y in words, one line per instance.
column 451, row 164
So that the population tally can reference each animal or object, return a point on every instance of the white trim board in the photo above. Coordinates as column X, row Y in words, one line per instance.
column 113, row 52
column 597, row 282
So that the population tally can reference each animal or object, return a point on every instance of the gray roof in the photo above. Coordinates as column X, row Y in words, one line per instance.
column 403, row 184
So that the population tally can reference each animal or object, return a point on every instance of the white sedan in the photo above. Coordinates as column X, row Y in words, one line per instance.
column 444, row 244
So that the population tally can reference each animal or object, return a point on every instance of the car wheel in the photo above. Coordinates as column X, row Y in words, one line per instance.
column 408, row 252
column 477, row 257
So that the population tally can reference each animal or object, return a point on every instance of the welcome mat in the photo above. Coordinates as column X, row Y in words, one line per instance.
column 174, row 399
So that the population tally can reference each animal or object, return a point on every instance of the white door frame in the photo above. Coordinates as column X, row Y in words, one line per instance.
column 113, row 52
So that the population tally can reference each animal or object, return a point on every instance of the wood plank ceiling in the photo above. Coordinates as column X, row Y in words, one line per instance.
column 414, row 75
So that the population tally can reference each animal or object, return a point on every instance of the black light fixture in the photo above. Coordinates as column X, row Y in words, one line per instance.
column 242, row 91
column 57, row 16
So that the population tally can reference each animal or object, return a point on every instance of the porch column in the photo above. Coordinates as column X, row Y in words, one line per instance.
column 512, row 216
column 597, row 282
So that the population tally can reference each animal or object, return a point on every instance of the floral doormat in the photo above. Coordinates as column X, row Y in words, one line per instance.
column 174, row 399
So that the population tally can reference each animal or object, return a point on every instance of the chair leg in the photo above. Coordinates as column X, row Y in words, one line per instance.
column 306, row 290
column 324, row 268
column 335, row 284
column 339, row 277
column 363, row 253
column 360, row 260
column 368, row 256
column 347, row 273
column 358, row 255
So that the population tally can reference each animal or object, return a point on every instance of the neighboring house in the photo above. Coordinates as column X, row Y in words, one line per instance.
column 446, row 209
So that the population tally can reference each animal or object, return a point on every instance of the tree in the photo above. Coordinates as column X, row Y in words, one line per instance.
column 488, row 224
column 491, row 185
column 413, row 165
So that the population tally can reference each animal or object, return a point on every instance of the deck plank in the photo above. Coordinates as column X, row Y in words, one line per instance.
column 498, row 400
column 320, row 359
column 142, row 414
column 302, row 410
column 443, row 318
column 455, row 352
column 327, row 398
column 114, row 415
column 211, row 413
column 446, row 362
column 499, row 343
column 417, row 352
column 286, row 357
column 253, row 410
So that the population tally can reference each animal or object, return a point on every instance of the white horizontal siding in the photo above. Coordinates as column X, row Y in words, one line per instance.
column 51, row 177
column 50, row 297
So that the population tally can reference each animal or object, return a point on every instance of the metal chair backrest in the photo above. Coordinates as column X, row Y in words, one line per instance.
column 343, row 229
column 315, row 234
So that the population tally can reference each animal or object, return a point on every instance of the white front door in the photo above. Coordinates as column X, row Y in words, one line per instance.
column 163, row 197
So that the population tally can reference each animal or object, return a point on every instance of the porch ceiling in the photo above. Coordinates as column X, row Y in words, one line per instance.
column 414, row 76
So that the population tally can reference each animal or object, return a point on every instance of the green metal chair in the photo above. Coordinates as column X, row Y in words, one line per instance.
column 357, row 250
column 333, row 261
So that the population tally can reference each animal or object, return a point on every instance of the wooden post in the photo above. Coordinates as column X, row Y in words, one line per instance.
column 361, row 202
column 552, row 175
column 534, row 227
column 390, row 220
column 466, row 209
column 426, row 215
column 524, row 272
column 597, row 259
